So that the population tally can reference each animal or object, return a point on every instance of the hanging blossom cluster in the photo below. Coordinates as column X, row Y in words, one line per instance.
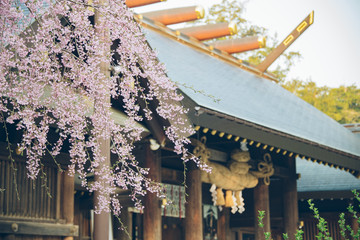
column 55, row 57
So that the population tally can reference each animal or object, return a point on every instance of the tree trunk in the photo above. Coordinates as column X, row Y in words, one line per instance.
column 102, row 220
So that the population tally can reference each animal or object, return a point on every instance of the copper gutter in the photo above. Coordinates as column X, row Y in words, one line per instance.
column 240, row 44
column 176, row 15
column 210, row 31
column 138, row 3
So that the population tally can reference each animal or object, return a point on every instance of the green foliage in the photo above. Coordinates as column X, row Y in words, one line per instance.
column 260, row 218
column 261, row 224
column 261, row 215
column 299, row 234
column 341, row 104
column 342, row 223
column 232, row 10
column 322, row 224
column 323, row 231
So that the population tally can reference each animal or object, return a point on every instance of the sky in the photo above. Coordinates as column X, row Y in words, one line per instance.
column 330, row 48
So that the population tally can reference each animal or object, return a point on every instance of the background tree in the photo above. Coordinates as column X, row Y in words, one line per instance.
column 342, row 103
column 232, row 10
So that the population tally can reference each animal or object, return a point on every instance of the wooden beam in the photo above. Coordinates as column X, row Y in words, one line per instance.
column 210, row 31
column 172, row 176
column 239, row 45
column 261, row 203
column 193, row 207
column 40, row 229
column 138, row 3
column 286, row 42
column 176, row 15
column 152, row 211
column 282, row 172
column 153, row 124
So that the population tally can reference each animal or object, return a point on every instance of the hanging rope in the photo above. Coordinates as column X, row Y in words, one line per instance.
column 265, row 169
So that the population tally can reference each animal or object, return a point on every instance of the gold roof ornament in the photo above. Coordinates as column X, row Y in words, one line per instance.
column 233, row 28
column 264, row 65
column 262, row 41
column 200, row 12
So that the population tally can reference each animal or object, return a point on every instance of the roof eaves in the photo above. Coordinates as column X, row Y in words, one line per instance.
column 348, row 161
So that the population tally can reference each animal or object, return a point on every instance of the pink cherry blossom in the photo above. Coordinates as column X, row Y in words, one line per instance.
column 50, row 78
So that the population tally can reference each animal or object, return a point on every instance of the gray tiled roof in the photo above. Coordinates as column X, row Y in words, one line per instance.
column 253, row 99
column 315, row 177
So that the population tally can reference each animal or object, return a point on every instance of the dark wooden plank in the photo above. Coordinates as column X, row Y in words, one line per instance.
column 42, row 190
column 49, row 200
column 24, row 190
column 58, row 196
column 29, row 198
column 2, row 186
column 40, row 229
column 8, row 189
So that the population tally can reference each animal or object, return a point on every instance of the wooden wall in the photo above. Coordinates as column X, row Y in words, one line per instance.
column 30, row 199
column 32, row 209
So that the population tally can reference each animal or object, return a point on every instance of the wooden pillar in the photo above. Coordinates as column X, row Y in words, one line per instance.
column 261, row 203
column 224, row 232
column 193, row 207
column 152, row 211
column 291, row 215
column 68, row 184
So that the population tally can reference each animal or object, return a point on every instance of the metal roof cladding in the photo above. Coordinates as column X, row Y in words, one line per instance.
column 253, row 99
column 315, row 177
